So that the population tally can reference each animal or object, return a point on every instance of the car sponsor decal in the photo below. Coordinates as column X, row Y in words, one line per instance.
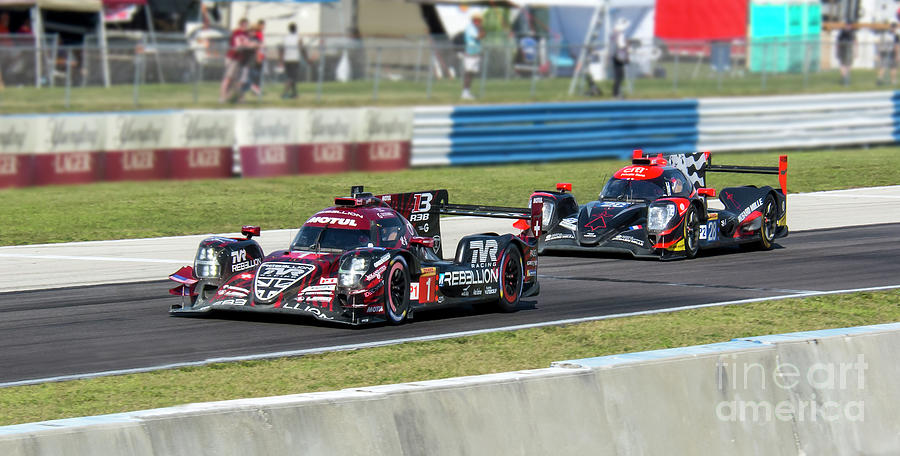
column 628, row 239
column 749, row 210
column 231, row 302
column 638, row 172
column 240, row 262
column 339, row 221
column 570, row 223
column 343, row 213
column 470, row 277
column 273, row 278
column 484, row 253
column 556, row 236
column 616, row 204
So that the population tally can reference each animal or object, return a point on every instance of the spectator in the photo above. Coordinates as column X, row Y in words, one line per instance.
column 887, row 54
column 291, row 51
column 257, row 37
column 4, row 41
column 845, row 40
column 4, row 24
column 618, row 49
column 472, row 59
column 234, row 70
column 25, row 28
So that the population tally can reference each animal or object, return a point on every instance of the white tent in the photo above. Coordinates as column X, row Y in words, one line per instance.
column 37, row 25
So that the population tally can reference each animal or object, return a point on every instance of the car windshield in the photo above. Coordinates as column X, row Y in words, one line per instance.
column 330, row 238
column 623, row 189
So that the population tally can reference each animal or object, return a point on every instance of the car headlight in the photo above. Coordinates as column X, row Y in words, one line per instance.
column 659, row 217
column 351, row 272
column 549, row 207
column 206, row 265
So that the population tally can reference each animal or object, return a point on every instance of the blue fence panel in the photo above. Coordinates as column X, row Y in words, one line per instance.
column 569, row 131
column 895, row 98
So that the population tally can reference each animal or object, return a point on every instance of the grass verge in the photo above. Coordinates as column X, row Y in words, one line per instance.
column 166, row 208
column 482, row 354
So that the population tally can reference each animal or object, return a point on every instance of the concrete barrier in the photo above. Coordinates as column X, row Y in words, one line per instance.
column 821, row 392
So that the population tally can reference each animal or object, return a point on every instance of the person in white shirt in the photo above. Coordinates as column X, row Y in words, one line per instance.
column 290, row 51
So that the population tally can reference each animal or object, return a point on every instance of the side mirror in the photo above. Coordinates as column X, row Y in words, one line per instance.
column 564, row 187
column 426, row 242
column 710, row 192
column 250, row 231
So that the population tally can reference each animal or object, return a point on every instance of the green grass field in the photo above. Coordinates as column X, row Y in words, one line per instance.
column 149, row 209
column 402, row 93
column 482, row 354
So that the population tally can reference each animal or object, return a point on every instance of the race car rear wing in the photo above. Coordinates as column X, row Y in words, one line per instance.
column 423, row 209
column 697, row 164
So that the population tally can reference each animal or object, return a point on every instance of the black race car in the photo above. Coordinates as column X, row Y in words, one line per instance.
column 364, row 260
column 657, row 207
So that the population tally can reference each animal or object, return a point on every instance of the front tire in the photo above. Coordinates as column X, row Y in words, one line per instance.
column 691, row 232
column 769, row 224
column 396, row 291
column 511, row 279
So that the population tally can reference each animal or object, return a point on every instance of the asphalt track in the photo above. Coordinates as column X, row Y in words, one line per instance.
column 108, row 327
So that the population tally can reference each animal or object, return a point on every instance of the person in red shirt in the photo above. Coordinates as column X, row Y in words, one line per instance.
column 257, row 36
column 4, row 24
column 234, row 67
column 25, row 29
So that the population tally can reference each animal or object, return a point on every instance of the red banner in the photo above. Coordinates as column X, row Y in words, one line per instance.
column 325, row 158
column 382, row 156
column 66, row 168
column 701, row 19
column 200, row 163
column 15, row 170
column 136, row 165
column 263, row 161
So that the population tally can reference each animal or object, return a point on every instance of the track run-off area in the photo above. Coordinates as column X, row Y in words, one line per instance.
column 99, row 307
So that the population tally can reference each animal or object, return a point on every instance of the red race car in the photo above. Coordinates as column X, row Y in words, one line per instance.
column 364, row 260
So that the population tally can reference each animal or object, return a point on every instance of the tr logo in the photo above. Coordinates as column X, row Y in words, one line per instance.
column 484, row 251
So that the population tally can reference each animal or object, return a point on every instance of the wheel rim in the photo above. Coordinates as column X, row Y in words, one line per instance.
column 511, row 277
column 693, row 234
column 769, row 222
column 397, row 284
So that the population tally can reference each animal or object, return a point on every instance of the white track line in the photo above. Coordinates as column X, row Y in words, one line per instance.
column 311, row 351
column 89, row 258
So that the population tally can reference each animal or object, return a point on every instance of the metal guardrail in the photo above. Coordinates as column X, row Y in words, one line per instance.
column 549, row 131
column 554, row 131
column 780, row 122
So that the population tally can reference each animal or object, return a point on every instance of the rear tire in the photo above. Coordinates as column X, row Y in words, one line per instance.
column 511, row 279
column 691, row 232
column 769, row 224
column 396, row 291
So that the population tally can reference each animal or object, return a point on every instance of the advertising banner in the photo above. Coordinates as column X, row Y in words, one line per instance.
column 138, row 146
column 385, row 137
column 331, row 135
column 17, row 142
column 269, row 141
column 68, row 149
column 202, row 145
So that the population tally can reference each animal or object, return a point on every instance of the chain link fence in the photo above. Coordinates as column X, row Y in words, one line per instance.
column 341, row 71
